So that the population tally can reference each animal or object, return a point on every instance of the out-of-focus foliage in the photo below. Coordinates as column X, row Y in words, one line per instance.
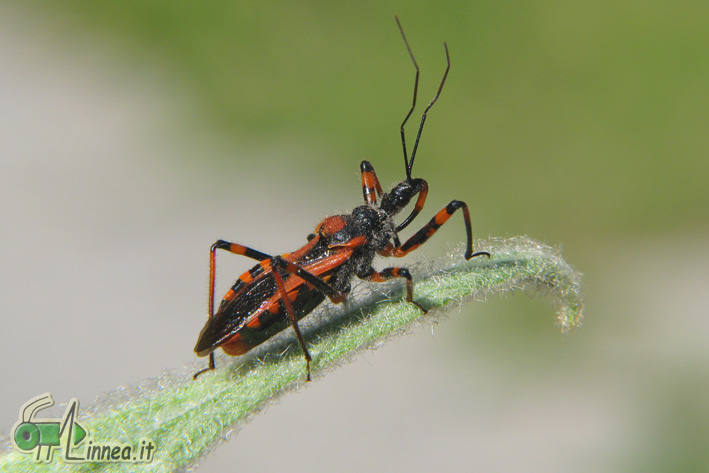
column 593, row 115
column 577, row 123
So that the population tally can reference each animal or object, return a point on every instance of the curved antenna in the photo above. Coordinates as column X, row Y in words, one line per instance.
column 423, row 117
column 413, row 103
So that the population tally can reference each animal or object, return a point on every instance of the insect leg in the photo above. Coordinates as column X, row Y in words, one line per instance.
column 210, row 367
column 420, row 237
column 389, row 273
column 277, row 262
column 274, row 262
column 335, row 295
column 237, row 250
column 370, row 183
column 232, row 248
column 291, row 316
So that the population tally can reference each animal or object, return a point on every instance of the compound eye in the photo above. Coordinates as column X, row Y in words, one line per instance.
column 402, row 198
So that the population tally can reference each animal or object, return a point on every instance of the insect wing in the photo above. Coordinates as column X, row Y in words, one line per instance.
column 256, row 310
column 234, row 313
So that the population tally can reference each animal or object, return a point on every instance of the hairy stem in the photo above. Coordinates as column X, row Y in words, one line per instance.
column 186, row 419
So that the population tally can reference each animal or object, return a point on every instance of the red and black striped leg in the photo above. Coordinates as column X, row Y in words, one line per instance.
column 422, row 236
column 233, row 248
column 370, row 183
column 389, row 273
column 237, row 250
column 291, row 315
column 335, row 295
column 266, row 262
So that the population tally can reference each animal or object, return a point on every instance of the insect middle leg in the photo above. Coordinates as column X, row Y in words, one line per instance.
column 291, row 315
column 422, row 236
column 389, row 273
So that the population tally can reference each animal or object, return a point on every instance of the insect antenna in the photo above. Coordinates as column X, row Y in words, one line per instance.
column 409, row 163
column 413, row 104
column 423, row 117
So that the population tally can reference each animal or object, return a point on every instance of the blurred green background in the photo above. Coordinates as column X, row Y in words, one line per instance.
column 581, row 124
column 566, row 120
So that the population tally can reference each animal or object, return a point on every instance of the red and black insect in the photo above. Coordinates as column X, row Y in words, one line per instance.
column 282, row 289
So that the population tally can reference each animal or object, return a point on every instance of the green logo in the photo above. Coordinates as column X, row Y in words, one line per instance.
column 31, row 433
column 42, row 437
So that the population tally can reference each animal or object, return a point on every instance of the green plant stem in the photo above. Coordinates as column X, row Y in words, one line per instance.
column 186, row 419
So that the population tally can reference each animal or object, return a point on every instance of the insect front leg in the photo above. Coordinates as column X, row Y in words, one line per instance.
column 422, row 236
column 370, row 183
column 389, row 273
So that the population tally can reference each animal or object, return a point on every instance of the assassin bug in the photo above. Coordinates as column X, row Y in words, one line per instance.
column 282, row 289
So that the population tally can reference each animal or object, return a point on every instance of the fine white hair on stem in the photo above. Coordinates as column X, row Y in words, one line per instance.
column 186, row 419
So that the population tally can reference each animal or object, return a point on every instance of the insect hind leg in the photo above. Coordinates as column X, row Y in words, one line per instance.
column 237, row 249
column 272, row 263
column 210, row 367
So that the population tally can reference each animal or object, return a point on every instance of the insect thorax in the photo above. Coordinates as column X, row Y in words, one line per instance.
column 375, row 224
